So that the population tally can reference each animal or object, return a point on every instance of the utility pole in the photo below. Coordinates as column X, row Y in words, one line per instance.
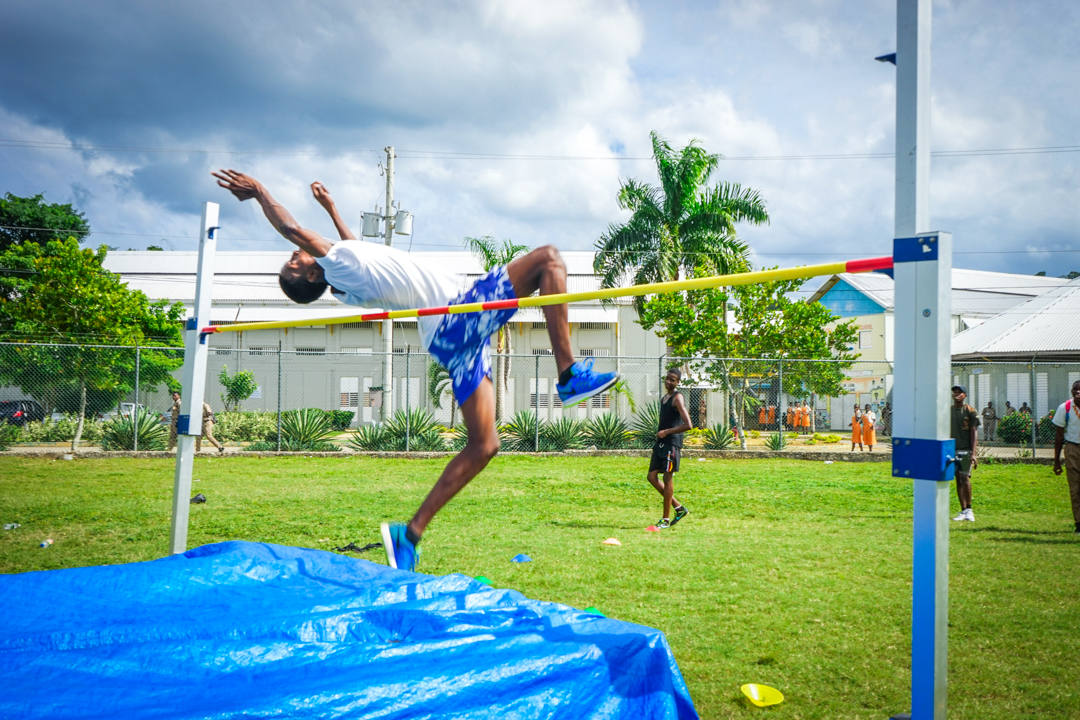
column 388, row 325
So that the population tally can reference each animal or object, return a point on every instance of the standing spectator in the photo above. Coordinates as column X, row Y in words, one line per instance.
column 674, row 421
column 1009, row 409
column 856, row 429
column 208, row 430
column 886, row 420
column 806, row 413
column 869, row 433
column 1025, row 409
column 964, row 428
column 1067, row 437
column 989, row 421
column 174, row 415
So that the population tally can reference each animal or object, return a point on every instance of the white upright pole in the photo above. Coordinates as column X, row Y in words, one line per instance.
column 189, row 423
column 923, row 285
column 388, row 325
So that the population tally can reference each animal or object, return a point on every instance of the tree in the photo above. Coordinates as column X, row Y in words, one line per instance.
column 238, row 387
column 60, row 293
column 770, row 326
column 681, row 226
column 492, row 256
column 438, row 385
column 31, row 219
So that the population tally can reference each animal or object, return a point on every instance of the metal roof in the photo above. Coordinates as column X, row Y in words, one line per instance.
column 1045, row 326
column 976, row 293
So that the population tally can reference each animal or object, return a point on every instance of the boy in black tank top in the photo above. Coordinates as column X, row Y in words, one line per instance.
column 674, row 421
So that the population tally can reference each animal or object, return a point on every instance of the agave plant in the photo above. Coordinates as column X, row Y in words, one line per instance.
column 419, row 426
column 562, row 434
column 718, row 437
column 520, row 433
column 646, row 421
column 305, row 429
column 607, row 432
column 120, row 434
column 776, row 441
column 369, row 437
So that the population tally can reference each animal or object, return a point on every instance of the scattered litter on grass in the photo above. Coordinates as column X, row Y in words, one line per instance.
column 593, row 611
column 45, row 543
column 482, row 579
column 12, row 526
column 200, row 498
column 611, row 541
column 353, row 547
column 828, row 462
column 762, row 695
column 67, row 456
column 522, row 558
column 702, row 460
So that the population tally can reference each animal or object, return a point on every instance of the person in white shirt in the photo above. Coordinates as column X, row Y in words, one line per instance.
column 1067, row 438
column 372, row 274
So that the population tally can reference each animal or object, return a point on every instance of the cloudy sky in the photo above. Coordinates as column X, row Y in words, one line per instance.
column 518, row 119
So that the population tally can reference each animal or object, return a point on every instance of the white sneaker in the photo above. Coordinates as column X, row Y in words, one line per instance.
column 961, row 516
column 969, row 515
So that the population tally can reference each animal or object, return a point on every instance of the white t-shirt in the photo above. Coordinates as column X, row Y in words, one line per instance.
column 374, row 275
column 1072, row 431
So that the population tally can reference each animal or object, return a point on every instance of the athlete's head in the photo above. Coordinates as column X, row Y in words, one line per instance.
column 301, row 278
column 672, row 379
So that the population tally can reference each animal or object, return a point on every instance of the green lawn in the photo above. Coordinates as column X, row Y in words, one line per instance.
column 792, row 573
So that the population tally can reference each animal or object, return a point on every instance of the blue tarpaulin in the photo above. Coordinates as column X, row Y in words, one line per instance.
column 254, row 630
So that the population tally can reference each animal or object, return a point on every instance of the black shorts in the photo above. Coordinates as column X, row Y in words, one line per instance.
column 665, row 458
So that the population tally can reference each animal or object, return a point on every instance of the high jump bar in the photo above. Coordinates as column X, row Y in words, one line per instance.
column 745, row 278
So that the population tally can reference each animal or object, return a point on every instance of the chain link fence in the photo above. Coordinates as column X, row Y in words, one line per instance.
column 317, row 399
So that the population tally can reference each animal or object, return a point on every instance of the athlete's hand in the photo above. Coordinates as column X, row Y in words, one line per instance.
column 1057, row 466
column 243, row 187
column 322, row 195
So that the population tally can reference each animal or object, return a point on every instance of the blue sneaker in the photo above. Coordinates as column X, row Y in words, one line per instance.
column 400, row 553
column 584, row 383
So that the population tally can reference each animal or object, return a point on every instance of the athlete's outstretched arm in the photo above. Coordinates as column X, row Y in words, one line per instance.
column 322, row 196
column 245, row 187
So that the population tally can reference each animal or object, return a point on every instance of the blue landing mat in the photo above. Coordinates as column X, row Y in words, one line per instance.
column 249, row 630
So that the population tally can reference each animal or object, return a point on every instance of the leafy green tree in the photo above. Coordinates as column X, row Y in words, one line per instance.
column 32, row 219
column 238, row 387
column 491, row 256
column 767, row 325
column 60, row 293
column 680, row 226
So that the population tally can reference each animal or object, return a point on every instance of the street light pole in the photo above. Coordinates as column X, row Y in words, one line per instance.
column 388, row 325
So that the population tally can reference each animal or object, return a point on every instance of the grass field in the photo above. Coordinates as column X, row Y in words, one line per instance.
column 791, row 573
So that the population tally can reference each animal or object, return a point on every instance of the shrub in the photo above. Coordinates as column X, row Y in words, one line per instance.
column 62, row 430
column 646, row 421
column 8, row 434
column 1015, row 428
column 369, row 437
column 271, row 445
column 305, row 429
column 340, row 420
column 246, row 426
column 520, row 433
column 1046, row 430
column 607, row 432
column 776, row 441
column 120, row 433
column 418, row 424
column 718, row 437
column 755, row 434
column 562, row 434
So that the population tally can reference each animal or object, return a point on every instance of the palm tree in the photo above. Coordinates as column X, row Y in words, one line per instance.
column 491, row 256
column 439, row 384
column 680, row 226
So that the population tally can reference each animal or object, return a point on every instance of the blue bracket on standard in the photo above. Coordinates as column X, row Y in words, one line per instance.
column 921, row 459
column 183, row 422
column 210, row 232
column 915, row 249
column 191, row 324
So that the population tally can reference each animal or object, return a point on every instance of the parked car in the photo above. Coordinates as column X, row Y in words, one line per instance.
column 20, row 412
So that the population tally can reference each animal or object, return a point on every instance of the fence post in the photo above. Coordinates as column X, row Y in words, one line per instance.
column 135, row 410
column 536, row 404
column 279, row 396
column 1034, row 409
column 780, row 397
column 408, row 410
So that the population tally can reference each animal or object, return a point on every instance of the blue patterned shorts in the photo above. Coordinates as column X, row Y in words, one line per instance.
column 462, row 344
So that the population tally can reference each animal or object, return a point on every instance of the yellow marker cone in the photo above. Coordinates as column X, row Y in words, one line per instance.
column 762, row 695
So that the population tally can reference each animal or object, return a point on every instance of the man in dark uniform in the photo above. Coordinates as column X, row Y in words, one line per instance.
column 674, row 421
column 964, row 430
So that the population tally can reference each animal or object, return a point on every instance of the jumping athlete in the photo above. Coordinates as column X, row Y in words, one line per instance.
column 371, row 274
column 674, row 421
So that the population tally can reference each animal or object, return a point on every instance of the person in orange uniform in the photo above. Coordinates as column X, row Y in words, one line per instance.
column 856, row 429
column 806, row 414
column 869, row 419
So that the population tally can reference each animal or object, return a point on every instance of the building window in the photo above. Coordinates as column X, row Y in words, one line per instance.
column 539, row 326
column 224, row 351
column 541, row 351
column 601, row 401
column 262, row 350
column 594, row 352
column 865, row 339
column 351, row 350
column 593, row 326
column 350, row 393
column 311, row 351
column 358, row 325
